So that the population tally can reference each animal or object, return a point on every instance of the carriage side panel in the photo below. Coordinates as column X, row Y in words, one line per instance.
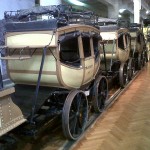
column 26, row 71
column 31, row 39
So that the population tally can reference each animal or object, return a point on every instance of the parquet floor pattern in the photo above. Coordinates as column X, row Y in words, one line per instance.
column 126, row 125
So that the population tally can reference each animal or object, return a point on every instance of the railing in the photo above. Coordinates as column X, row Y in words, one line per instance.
column 22, row 54
column 63, row 13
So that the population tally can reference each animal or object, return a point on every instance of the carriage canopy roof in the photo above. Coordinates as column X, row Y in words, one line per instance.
column 47, row 18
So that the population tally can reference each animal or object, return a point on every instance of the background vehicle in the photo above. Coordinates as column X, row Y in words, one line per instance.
column 116, row 52
column 138, row 46
column 146, row 31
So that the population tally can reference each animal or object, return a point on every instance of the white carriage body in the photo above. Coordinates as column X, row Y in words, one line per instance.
column 117, row 45
column 45, row 53
column 137, row 40
column 25, row 70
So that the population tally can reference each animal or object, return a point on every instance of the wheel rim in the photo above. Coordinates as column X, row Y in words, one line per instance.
column 100, row 94
column 123, row 74
column 75, row 114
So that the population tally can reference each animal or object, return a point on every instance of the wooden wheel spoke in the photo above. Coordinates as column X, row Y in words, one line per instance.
column 103, row 94
column 78, row 102
column 72, row 116
column 102, row 83
column 80, row 123
column 78, row 126
column 74, row 106
column 102, row 90
column 73, row 126
column 131, row 68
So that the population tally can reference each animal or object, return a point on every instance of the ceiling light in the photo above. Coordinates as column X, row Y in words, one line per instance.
column 121, row 10
column 76, row 2
column 147, row 12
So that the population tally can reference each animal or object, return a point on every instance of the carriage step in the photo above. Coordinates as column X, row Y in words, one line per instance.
column 50, row 103
column 7, row 83
column 47, row 111
column 43, row 110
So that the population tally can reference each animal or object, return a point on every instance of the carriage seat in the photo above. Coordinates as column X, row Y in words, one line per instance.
column 69, row 56
column 31, row 25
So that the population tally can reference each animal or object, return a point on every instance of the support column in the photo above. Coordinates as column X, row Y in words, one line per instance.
column 50, row 2
column 112, row 13
column 113, row 9
column 137, row 7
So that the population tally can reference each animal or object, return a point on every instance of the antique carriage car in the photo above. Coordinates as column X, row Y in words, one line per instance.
column 138, row 46
column 146, row 31
column 116, row 58
column 54, row 64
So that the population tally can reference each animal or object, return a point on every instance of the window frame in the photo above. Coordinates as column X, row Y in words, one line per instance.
column 65, row 38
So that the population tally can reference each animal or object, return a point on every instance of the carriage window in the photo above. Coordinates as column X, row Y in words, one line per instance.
column 95, row 46
column 120, row 42
column 143, row 39
column 127, row 39
column 86, row 46
column 110, row 47
column 69, row 51
column 139, row 38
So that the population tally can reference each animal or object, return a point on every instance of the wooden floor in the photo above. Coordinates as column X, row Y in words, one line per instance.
column 126, row 125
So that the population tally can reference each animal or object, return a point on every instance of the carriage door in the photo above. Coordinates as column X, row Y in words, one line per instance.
column 96, row 48
column 127, row 42
column 88, row 58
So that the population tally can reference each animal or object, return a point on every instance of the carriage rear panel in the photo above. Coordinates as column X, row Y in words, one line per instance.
column 137, row 41
column 117, row 46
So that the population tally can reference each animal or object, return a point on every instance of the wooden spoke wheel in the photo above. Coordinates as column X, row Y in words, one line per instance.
column 131, row 68
column 75, row 114
column 123, row 74
column 144, row 58
column 100, row 94
column 146, row 55
column 139, row 61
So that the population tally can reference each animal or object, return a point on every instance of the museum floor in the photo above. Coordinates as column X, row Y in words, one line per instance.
column 126, row 125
